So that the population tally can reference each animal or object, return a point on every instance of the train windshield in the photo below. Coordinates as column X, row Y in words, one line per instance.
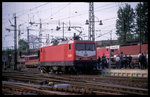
column 85, row 46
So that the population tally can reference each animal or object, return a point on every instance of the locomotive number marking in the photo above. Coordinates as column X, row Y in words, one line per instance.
column 69, row 55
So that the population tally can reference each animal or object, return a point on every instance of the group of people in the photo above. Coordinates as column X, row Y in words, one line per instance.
column 123, row 61
column 102, row 62
column 126, row 61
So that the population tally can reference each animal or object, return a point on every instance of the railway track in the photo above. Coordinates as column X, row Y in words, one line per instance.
column 138, row 82
column 127, row 81
column 37, row 89
column 80, row 82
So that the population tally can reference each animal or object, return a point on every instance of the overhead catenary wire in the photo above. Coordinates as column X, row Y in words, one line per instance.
column 73, row 16
column 102, row 5
column 105, row 8
column 58, row 11
column 84, row 12
column 27, row 10
column 46, row 3
column 62, row 9
column 98, row 9
column 31, row 9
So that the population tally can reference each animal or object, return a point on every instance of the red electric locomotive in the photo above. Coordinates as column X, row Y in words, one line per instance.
column 69, row 56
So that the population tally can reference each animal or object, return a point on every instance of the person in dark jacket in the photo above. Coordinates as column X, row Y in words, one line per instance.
column 143, row 61
column 130, row 60
column 125, row 61
column 121, row 60
column 132, row 64
column 104, row 62
column 99, row 62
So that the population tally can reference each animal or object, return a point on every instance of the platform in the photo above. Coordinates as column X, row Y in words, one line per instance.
column 125, row 72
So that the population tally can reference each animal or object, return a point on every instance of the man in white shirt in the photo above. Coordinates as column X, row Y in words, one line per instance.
column 147, row 59
column 118, row 62
column 139, row 54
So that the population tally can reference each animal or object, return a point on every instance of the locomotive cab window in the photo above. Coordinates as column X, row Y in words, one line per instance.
column 69, row 46
column 85, row 46
column 90, row 47
column 80, row 46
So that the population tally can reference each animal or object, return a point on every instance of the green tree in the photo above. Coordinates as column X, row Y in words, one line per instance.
column 23, row 45
column 142, row 21
column 125, row 24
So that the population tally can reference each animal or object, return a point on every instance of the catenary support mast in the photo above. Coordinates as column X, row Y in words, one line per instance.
column 91, row 34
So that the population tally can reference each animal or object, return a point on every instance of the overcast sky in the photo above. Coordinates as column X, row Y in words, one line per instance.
column 53, row 14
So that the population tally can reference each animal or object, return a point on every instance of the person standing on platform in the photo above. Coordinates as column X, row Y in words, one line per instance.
column 99, row 62
column 139, row 57
column 103, row 61
column 132, row 64
column 107, row 61
column 130, row 60
column 121, row 60
column 118, row 62
column 147, row 59
column 143, row 61
column 125, row 61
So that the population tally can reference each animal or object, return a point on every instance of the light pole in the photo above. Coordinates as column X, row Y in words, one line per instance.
column 15, row 42
column 89, row 23
column 58, row 28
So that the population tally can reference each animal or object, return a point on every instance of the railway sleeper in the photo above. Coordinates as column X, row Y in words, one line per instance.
column 109, row 90
column 104, row 93
column 118, row 88
column 127, row 90
column 34, row 90
column 72, row 90
column 7, row 92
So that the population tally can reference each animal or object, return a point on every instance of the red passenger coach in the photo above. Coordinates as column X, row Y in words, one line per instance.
column 31, row 61
column 113, row 51
column 108, row 51
column 73, row 56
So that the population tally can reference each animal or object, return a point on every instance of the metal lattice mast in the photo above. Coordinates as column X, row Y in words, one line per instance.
column 91, row 34
column 40, row 34
column 15, row 42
